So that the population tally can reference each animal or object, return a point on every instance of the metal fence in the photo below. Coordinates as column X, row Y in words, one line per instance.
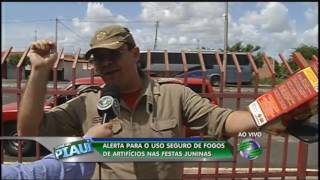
column 217, row 170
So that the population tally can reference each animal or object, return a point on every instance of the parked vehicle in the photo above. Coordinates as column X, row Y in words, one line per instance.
column 158, row 67
column 9, row 117
column 9, row 111
column 214, row 76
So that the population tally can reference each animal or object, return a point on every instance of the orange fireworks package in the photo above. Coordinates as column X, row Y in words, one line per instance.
column 294, row 99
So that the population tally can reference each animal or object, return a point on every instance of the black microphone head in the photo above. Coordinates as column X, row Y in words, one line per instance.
column 108, row 105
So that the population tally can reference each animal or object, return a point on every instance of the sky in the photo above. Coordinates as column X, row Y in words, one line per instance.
column 277, row 27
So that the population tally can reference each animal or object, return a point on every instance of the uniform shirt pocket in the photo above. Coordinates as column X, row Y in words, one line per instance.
column 164, row 128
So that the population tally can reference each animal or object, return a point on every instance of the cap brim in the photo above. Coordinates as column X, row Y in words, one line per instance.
column 103, row 46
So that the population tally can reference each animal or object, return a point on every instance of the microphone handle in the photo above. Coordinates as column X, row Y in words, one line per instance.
column 105, row 118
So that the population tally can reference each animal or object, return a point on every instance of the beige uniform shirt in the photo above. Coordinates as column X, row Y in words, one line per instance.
column 161, row 111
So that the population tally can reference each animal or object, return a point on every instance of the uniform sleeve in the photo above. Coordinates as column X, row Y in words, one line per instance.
column 48, row 168
column 65, row 119
column 200, row 113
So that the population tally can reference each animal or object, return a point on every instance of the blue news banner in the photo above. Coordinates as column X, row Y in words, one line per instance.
column 77, row 149
column 143, row 149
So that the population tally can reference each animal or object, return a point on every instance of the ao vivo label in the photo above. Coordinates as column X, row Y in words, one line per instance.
column 250, row 134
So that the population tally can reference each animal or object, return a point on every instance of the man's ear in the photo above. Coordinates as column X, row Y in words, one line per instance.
column 136, row 53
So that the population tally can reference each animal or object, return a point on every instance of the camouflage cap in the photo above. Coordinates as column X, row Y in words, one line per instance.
column 110, row 37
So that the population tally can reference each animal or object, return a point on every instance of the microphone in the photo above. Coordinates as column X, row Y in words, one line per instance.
column 108, row 105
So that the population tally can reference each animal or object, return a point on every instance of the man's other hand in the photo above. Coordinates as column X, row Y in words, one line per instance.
column 43, row 54
column 100, row 131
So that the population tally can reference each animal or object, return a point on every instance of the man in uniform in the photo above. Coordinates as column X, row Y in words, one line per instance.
column 149, row 108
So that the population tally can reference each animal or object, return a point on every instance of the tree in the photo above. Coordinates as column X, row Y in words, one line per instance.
column 236, row 47
column 257, row 55
column 14, row 59
column 280, row 70
column 258, row 59
column 306, row 51
column 251, row 48
column 239, row 47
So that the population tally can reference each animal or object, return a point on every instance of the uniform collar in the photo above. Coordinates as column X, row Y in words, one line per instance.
column 150, row 87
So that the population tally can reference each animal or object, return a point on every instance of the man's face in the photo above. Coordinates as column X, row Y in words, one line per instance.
column 116, row 66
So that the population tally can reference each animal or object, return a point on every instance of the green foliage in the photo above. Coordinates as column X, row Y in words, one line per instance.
column 306, row 51
column 280, row 70
column 240, row 47
column 258, row 58
column 14, row 59
column 293, row 65
column 268, row 81
column 237, row 47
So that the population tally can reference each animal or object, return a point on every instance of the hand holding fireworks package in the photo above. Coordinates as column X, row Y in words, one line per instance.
column 294, row 100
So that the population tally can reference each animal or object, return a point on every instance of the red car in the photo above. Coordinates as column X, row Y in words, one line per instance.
column 9, row 111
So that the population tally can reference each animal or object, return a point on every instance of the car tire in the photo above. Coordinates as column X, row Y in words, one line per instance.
column 215, row 80
column 11, row 147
